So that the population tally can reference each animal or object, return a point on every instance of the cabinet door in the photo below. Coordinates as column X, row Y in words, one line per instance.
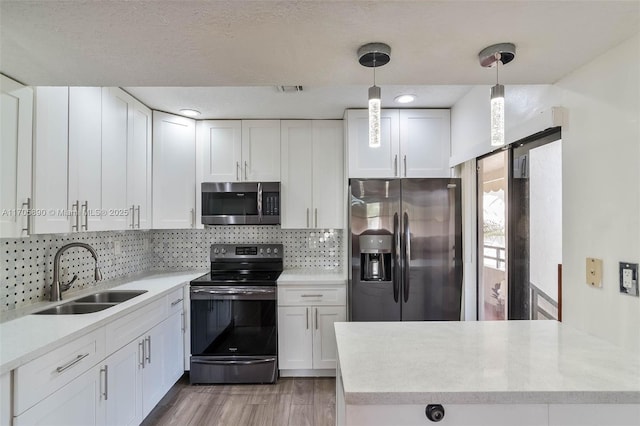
column 328, row 174
column 425, row 143
column 124, row 387
column 174, row 171
column 85, row 155
column 174, row 353
column 5, row 398
column 139, row 166
column 297, row 171
column 16, row 135
column 153, row 373
column 78, row 403
column 116, row 113
column 261, row 150
column 325, row 351
column 594, row 414
column 367, row 162
column 220, row 150
column 294, row 338
column 50, row 160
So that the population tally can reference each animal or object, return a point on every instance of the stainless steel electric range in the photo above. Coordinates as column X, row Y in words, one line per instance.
column 234, row 316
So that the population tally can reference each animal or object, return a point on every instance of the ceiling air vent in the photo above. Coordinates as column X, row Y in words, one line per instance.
column 289, row 89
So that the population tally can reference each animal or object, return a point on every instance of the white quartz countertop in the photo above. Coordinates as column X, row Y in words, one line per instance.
column 304, row 276
column 498, row 362
column 29, row 336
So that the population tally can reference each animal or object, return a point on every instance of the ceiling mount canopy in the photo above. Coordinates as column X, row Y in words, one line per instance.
column 503, row 52
column 374, row 54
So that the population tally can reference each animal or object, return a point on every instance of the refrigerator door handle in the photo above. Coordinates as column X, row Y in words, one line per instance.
column 397, row 274
column 407, row 257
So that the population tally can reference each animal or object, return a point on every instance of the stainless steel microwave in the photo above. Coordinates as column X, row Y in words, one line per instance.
column 241, row 203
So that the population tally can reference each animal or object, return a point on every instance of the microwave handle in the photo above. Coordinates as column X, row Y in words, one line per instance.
column 259, row 202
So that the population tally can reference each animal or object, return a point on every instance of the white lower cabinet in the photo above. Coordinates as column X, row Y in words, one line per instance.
column 594, row 414
column 306, row 336
column 5, row 399
column 77, row 385
column 78, row 403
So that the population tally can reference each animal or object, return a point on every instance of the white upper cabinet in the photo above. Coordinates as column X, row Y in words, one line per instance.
column 425, row 142
column 414, row 143
column 16, row 111
column 260, row 151
column 174, row 171
column 220, row 150
column 126, row 139
column 139, row 166
column 312, row 174
column 51, row 162
column 85, row 159
column 367, row 162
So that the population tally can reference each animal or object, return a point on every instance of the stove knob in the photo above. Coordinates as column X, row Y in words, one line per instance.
column 216, row 251
column 275, row 250
column 261, row 251
column 224, row 251
column 269, row 250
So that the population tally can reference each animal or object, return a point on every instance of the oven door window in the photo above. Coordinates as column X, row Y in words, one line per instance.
column 229, row 203
column 233, row 327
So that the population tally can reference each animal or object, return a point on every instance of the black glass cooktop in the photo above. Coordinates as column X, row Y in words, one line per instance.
column 226, row 278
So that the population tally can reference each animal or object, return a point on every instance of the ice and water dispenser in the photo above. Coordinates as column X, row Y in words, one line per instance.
column 375, row 257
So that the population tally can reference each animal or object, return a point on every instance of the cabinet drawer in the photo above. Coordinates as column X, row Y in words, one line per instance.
column 44, row 375
column 175, row 301
column 312, row 295
column 124, row 330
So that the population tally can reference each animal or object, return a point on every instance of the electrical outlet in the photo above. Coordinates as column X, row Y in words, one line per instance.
column 117, row 247
column 145, row 244
column 629, row 278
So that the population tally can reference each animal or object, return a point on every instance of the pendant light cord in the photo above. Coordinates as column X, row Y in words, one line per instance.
column 374, row 69
column 498, row 57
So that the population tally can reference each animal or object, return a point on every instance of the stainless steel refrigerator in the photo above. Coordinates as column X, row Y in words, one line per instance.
column 406, row 249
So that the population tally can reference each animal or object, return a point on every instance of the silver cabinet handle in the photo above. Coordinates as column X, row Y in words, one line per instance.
column 71, row 363
column 105, row 370
column 405, row 166
column 316, row 217
column 307, row 313
column 75, row 207
column 307, row 217
column 316, row 318
column 141, row 353
column 310, row 295
column 148, row 354
column 28, row 215
column 237, row 170
column 395, row 166
column 138, row 216
column 183, row 325
column 193, row 218
column 175, row 302
column 85, row 209
column 246, row 176
column 133, row 211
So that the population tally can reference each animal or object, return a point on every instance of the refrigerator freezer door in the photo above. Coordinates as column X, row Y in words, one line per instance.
column 432, row 284
column 374, row 205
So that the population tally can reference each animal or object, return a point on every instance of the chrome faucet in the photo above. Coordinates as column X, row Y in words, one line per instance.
column 56, row 287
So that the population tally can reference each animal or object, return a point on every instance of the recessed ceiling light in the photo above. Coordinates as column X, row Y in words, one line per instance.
column 405, row 99
column 189, row 112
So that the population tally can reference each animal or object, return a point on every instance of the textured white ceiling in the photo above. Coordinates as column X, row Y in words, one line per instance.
column 194, row 43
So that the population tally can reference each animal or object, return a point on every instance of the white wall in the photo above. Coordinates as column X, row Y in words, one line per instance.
column 601, row 177
column 601, row 201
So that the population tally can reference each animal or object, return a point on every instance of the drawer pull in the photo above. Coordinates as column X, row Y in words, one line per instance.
column 175, row 302
column 71, row 363
column 311, row 295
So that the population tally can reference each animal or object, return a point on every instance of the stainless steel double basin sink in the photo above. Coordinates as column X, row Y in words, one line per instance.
column 92, row 303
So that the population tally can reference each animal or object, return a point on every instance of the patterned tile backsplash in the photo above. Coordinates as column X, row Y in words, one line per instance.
column 27, row 263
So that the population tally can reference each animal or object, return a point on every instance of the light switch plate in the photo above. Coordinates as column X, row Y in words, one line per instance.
column 117, row 248
column 629, row 278
column 594, row 272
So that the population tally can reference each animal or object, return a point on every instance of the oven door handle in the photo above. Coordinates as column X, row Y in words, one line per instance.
column 214, row 293
column 233, row 292
column 234, row 362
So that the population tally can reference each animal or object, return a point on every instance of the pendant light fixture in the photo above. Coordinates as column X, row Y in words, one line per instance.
column 497, row 54
column 373, row 55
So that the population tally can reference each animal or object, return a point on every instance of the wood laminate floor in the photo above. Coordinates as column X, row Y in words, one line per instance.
column 290, row 402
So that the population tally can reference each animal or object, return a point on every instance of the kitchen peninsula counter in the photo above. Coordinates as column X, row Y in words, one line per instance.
column 531, row 364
